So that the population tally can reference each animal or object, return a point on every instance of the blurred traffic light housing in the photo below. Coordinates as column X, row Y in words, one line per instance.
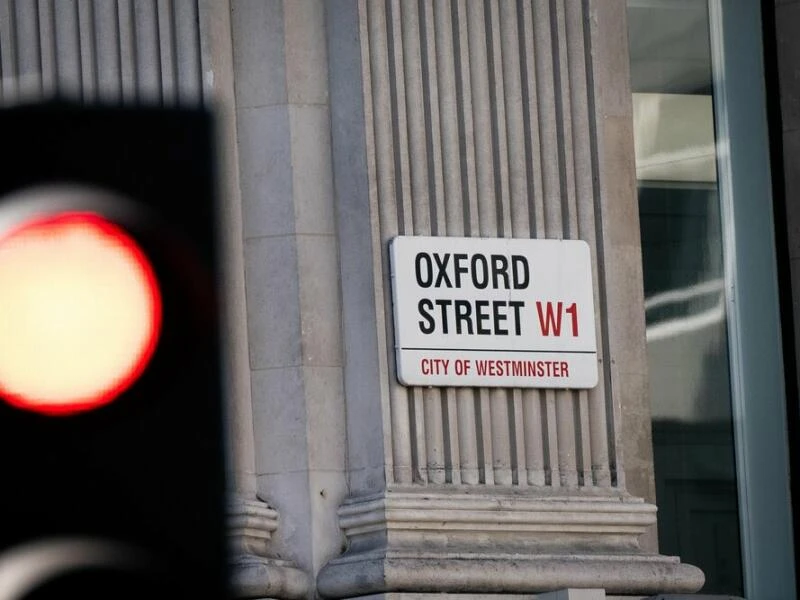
column 136, row 460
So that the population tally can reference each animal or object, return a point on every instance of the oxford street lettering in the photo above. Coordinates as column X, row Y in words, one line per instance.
column 493, row 312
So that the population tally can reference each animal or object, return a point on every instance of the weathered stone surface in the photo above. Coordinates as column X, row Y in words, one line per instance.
column 497, row 573
column 255, row 577
column 493, row 542
column 254, row 571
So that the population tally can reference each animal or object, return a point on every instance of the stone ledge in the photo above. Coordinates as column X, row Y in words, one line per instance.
column 569, row 594
column 484, row 573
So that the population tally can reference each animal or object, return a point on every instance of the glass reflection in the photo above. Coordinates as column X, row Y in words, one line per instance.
column 687, row 344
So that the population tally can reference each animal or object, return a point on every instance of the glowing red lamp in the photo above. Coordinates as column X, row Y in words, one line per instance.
column 80, row 313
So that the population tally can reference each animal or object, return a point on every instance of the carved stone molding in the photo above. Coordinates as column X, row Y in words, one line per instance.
column 255, row 574
column 510, row 520
column 476, row 542
column 250, row 526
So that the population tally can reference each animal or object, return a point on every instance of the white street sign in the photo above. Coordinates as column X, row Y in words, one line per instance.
column 493, row 312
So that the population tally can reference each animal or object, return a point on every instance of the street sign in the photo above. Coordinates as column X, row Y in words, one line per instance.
column 490, row 312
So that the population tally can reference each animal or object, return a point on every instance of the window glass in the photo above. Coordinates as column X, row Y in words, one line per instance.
column 682, row 253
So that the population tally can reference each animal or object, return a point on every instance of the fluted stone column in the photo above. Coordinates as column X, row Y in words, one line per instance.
column 119, row 51
column 488, row 119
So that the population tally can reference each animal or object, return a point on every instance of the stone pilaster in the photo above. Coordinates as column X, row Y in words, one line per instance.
column 256, row 571
column 290, row 265
column 491, row 119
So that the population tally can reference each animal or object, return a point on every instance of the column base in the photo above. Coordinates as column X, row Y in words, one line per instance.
column 255, row 574
column 258, row 577
column 567, row 594
column 500, row 542
column 505, row 574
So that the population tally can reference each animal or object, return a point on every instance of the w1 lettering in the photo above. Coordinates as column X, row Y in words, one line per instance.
column 550, row 317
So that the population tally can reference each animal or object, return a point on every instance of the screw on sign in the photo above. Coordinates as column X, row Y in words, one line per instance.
column 110, row 385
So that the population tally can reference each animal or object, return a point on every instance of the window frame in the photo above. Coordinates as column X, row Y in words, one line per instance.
column 752, row 301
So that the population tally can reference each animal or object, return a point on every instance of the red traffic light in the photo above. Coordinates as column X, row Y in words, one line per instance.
column 80, row 313
column 109, row 301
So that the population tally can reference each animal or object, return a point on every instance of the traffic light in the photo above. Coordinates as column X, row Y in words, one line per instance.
column 110, row 390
